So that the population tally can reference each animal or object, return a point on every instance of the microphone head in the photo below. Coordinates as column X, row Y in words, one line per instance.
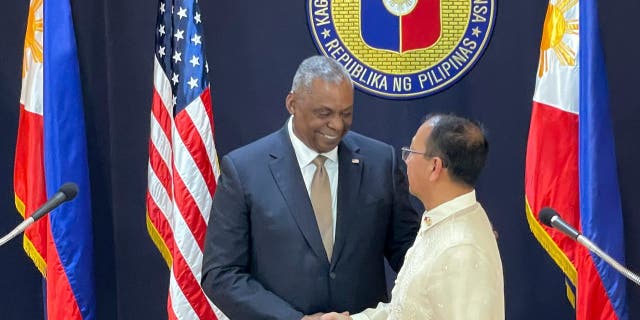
column 546, row 214
column 69, row 189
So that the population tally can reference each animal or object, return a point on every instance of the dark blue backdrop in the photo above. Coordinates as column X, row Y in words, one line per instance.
column 254, row 48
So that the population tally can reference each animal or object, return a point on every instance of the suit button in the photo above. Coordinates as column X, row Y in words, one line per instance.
column 332, row 275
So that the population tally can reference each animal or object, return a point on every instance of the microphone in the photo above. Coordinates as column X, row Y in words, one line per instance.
column 67, row 192
column 551, row 218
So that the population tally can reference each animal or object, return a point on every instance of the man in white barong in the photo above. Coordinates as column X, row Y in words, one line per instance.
column 453, row 271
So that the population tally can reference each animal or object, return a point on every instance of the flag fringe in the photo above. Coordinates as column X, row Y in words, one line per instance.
column 571, row 296
column 28, row 246
column 551, row 247
column 35, row 256
column 20, row 206
column 159, row 242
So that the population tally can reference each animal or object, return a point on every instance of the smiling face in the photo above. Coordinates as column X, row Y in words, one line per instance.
column 322, row 114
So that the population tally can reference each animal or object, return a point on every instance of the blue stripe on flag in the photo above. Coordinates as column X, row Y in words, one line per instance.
column 65, row 152
column 600, row 209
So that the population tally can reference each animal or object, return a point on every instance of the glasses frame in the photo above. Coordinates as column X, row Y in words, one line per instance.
column 406, row 151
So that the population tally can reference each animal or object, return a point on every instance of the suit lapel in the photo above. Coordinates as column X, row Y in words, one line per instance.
column 286, row 172
column 349, row 176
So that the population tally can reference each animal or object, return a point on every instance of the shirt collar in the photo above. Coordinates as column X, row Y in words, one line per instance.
column 305, row 154
column 449, row 208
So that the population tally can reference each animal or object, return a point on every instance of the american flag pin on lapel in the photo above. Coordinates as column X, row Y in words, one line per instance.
column 355, row 161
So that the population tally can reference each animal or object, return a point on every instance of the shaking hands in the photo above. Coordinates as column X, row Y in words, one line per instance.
column 336, row 316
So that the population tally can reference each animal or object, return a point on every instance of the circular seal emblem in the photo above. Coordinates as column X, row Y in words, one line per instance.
column 402, row 49
column 400, row 7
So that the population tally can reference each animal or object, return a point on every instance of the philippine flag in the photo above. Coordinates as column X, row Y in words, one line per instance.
column 51, row 149
column 571, row 164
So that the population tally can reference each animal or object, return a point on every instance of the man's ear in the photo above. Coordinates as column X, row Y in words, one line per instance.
column 290, row 103
column 436, row 168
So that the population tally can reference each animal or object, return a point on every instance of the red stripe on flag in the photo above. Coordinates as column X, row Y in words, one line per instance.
column 592, row 301
column 28, row 182
column 159, row 167
column 191, row 289
column 161, row 224
column 552, row 168
column 160, row 112
column 61, row 302
column 193, row 141
column 170, row 313
column 189, row 210
column 28, row 175
column 206, row 100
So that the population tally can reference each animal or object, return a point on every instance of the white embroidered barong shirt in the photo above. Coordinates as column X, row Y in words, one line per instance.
column 453, row 271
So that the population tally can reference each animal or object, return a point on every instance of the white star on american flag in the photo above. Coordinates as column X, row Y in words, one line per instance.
column 193, row 82
column 196, row 39
column 182, row 13
column 195, row 61
column 179, row 35
column 177, row 57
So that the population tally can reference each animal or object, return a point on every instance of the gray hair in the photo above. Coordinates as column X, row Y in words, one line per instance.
column 319, row 67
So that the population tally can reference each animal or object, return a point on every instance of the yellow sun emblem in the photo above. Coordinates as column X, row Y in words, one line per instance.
column 555, row 28
column 31, row 45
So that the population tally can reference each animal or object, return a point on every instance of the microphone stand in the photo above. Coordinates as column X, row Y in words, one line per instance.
column 595, row 249
column 65, row 193
column 16, row 231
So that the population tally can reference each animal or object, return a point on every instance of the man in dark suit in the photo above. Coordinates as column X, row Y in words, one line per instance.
column 303, row 218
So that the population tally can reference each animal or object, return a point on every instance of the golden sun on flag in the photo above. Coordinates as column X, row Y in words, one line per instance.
column 556, row 26
column 34, row 31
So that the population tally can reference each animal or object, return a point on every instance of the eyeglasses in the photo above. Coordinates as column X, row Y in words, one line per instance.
column 406, row 151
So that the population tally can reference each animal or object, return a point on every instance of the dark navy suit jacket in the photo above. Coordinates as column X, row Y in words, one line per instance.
column 264, row 257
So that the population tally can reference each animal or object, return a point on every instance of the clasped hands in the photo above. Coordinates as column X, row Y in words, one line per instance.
column 328, row 316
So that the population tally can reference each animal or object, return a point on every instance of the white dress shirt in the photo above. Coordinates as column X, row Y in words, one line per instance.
column 453, row 271
column 305, row 156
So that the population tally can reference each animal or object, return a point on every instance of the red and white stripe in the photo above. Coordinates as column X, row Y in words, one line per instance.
column 182, row 174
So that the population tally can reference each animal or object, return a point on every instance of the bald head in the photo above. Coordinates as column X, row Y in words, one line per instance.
column 460, row 143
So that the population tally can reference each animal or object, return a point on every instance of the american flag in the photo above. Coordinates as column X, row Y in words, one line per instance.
column 183, row 165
